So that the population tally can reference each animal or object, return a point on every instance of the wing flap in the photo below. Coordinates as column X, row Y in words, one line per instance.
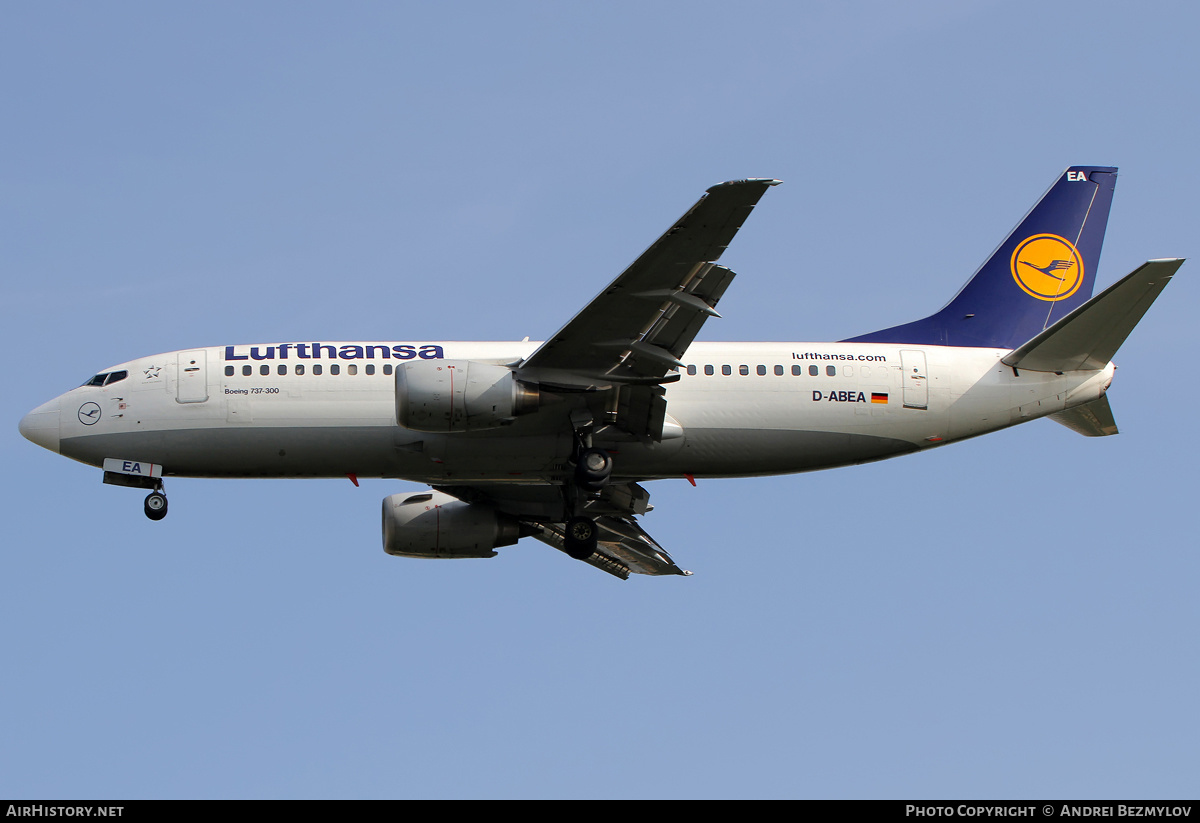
column 641, row 411
column 687, row 309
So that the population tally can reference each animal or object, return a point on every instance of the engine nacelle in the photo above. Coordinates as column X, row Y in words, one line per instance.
column 459, row 395
column 434, row 524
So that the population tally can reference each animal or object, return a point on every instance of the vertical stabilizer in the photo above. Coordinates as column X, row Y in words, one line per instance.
column 1042, row 271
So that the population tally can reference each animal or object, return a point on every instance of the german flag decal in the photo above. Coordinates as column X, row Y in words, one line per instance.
column 879, row 397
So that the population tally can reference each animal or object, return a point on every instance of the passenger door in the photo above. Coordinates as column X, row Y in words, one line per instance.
column 192, row 384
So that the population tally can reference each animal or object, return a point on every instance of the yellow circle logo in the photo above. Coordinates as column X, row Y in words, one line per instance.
column 1047, row 267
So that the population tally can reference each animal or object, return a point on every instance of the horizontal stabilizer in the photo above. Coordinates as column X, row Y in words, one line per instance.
column 1087, row 338
column 1093, row 419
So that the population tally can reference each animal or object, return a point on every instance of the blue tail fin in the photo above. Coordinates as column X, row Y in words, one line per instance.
column 1045, row 268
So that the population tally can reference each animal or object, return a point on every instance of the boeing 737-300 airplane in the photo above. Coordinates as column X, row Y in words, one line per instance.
column 551, row 440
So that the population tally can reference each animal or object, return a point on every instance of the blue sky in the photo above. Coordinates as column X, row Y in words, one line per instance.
column 1009, row 617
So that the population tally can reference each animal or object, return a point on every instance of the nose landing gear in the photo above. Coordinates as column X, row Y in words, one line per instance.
column 156, row 505
column 142, row 476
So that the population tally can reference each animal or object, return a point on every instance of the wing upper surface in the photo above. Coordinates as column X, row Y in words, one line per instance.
column 637, row 328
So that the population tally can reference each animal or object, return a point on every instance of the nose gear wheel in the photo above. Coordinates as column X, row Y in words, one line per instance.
column 156, row 505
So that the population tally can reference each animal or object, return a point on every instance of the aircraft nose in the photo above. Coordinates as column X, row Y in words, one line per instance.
column 41, row 425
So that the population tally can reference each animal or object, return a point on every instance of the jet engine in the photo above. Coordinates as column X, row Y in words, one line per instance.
column 434, row 524
column 460, row 395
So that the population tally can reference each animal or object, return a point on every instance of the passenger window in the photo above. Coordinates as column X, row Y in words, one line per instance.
column 352, row 369
column 691, row 370
column 370, row 368
column 282, row 369
column 708, row 370
column 299, row 368
column 387, row 368
column 779, row 371
column 335, row 369
column 762, row 370
column 831, row 371
column 229, row 371
column 814, row 371
column 247, row 371
column 743, row 370
column 316, row 368
column 796, row 371
column 726, row 370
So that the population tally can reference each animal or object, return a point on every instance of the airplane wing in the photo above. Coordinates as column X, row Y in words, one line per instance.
column 628, row 338
column 636, row 330
column 622, row 545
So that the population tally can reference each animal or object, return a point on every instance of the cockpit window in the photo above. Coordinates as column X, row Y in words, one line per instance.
column 107, row 378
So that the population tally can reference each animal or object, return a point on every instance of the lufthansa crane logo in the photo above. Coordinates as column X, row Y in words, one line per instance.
column 89, row 413
column 1047, row 267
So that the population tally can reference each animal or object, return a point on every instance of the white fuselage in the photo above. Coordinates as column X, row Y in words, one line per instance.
column 739, row 409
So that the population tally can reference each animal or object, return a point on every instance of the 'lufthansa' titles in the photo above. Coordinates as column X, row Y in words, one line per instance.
column 325, row 351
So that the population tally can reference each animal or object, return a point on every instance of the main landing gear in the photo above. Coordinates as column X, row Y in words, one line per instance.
column 593, row 468
column 581, row 537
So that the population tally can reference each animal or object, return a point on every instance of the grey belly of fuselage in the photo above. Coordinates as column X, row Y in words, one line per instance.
column 756, row 452
column 377, row 451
